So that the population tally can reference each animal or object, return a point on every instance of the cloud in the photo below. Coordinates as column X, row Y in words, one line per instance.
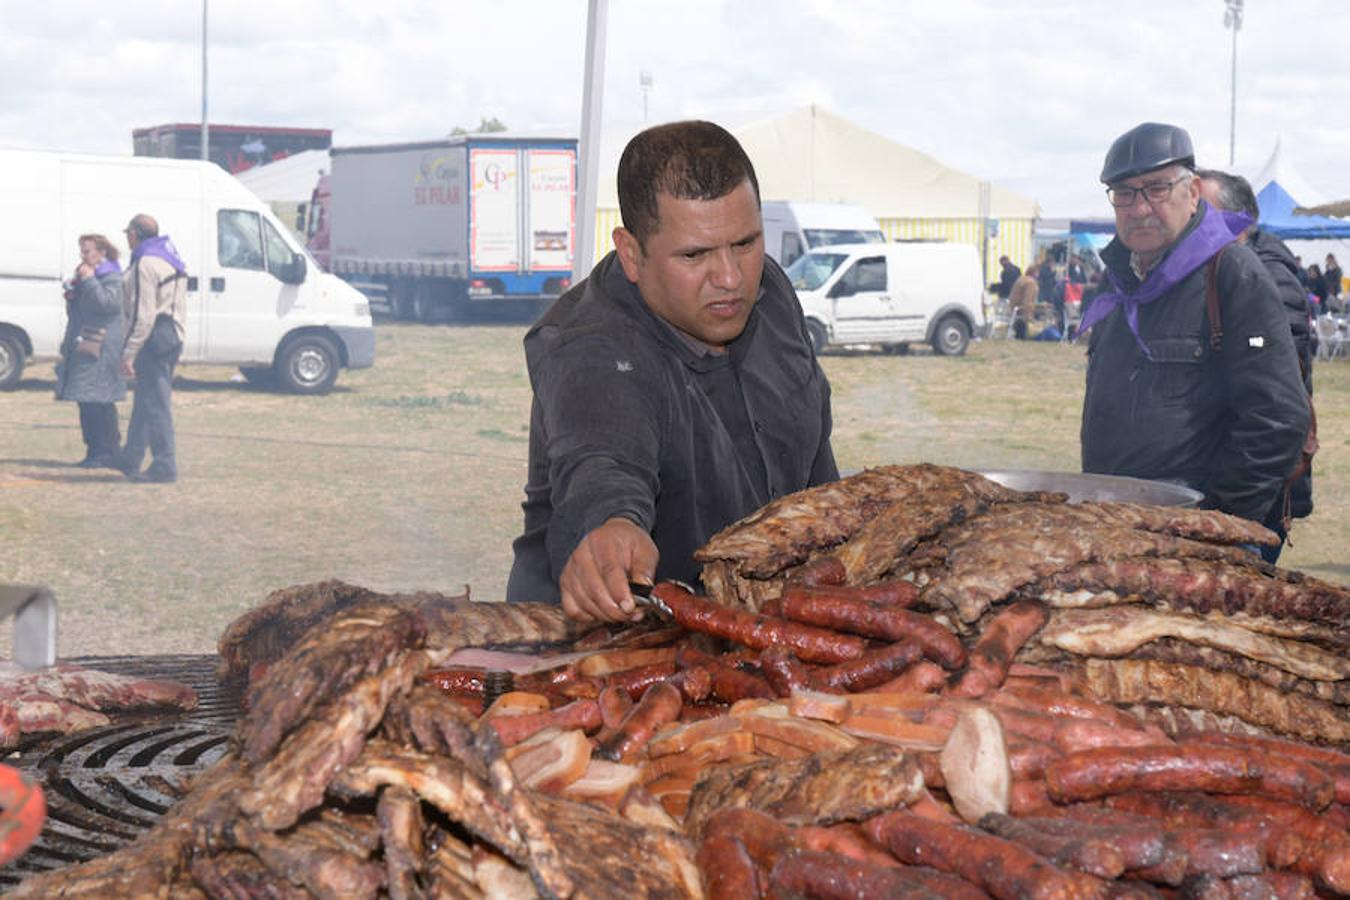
column 1028, row 94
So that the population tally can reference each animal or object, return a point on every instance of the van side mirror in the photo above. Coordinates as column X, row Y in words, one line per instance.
column 842, row 289
column 295, row 272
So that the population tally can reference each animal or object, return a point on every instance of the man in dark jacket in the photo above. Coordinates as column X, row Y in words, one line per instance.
column 1007, row 278
column 675, row 389
column 1233, row 192
column 1162, row 401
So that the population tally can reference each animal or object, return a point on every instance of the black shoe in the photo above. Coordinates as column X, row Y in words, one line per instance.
column 151, row 476
column 89, row 462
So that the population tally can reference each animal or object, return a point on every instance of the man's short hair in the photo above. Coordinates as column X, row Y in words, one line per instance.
column 1233, row 192
column 144, row 226
column 691, row 160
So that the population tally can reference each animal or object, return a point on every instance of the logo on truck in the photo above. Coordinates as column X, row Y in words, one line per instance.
column 437, row 181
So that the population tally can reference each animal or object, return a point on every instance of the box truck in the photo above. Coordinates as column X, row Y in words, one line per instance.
column 892, row 295
column 255, row 299
column 466, row 227
column 791, row 228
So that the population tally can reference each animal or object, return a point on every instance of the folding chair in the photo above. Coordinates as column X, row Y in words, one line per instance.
column 1330, row 337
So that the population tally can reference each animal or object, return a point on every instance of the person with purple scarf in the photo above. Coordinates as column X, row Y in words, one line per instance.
column 88, row 372
column 1162, row 401
column 154, row 299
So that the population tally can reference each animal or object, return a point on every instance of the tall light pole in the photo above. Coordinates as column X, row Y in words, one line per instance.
column 645, row 80
column 1232, row 18
column 206, row 129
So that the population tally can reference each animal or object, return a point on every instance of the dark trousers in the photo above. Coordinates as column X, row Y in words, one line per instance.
column 98, row 425
column 151, row 416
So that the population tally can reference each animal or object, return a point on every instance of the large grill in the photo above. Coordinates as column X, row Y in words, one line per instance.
column 106, row 786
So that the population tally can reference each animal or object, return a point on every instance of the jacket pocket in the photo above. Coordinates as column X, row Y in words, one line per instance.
column 1177, row 369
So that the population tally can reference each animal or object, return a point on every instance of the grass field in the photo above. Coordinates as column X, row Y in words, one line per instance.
column 409, row 476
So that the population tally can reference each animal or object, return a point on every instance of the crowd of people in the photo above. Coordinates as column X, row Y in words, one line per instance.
column 1323, row 284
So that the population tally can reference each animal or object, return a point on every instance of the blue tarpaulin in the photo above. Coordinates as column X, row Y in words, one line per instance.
column 1278, row 218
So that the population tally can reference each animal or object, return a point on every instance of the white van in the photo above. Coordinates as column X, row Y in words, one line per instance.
column 892, row 295
column 255, row 298
column 791, row 228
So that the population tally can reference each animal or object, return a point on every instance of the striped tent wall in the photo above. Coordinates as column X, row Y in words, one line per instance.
column 606, row 220
column 1014, row 236
column 1013, row 240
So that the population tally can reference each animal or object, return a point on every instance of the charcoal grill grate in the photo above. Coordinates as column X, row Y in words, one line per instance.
column 106, row 786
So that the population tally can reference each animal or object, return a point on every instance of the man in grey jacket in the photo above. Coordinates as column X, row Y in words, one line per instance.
column 675, row 389
column 154, row 299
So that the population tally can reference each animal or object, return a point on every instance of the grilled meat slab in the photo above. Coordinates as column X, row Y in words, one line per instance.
column 1120, row 630
column 820, row 789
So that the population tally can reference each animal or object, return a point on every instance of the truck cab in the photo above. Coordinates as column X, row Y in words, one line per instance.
column 792, row 228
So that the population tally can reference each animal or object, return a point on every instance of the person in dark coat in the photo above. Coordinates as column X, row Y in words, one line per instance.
column 1162, row 401
column 675, row 388
column 1331, row 283
column 90, row 369
column 1233, row 192
column 1010, row 273
column 1317, row 286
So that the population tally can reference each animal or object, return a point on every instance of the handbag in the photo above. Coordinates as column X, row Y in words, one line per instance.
column 90, row 341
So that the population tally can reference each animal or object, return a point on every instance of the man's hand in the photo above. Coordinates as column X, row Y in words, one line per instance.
column 595, row 580
column 127, row 369
column 83, row 271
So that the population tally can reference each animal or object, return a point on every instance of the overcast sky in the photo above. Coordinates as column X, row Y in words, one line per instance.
column 1028, row 93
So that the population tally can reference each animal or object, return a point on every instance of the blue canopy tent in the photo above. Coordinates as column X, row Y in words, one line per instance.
column 1278, row 217
column 1280, row 189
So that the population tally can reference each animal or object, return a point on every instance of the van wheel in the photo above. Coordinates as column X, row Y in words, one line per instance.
column 952, row 336
column 307, row 365
column 818, row 336
column 12, row 359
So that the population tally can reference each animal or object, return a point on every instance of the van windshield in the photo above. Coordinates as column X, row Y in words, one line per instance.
column 809, row 272
column 825, row 237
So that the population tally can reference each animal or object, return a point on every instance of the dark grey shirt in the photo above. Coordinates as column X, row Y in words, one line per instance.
column 630, row 420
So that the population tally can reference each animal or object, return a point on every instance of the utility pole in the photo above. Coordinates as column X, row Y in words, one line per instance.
column 592, row 96
column 1232, row 18
column 206, row 129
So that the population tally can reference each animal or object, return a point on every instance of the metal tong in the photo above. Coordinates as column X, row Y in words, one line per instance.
column 642, row 593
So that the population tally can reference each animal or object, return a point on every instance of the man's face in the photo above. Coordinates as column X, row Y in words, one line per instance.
column 701, row 268
column 133, row 241
column 1148, row 227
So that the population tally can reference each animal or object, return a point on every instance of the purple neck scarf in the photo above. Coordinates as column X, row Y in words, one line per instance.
column 1217, row 229
column 161, row 247
column 107, row 267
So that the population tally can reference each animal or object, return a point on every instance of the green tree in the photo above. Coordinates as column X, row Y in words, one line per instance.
column 486, row 125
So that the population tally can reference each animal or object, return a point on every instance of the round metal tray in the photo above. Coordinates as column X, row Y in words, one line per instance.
column 1080, row 486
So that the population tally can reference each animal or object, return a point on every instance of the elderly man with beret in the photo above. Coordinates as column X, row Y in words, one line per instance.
column 1212, row 401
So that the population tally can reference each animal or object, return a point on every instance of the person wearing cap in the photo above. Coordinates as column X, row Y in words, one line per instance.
column 675, row 388
column 1221, row 410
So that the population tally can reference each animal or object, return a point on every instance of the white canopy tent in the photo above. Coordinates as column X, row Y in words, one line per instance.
column 811, row 154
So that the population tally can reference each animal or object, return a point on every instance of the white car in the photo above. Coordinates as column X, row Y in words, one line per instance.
column 891, row 295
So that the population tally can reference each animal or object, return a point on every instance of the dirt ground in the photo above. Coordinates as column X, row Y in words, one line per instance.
column 409, row 476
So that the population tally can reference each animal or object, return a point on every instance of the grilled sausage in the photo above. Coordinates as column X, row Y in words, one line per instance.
column 758, row 632
column 824, row 607
column 661, row 704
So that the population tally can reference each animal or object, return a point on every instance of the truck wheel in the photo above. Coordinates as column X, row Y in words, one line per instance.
column 424, row 304
column 952, row 336
column 818, row 336
column 12, row 359
column 307, row 365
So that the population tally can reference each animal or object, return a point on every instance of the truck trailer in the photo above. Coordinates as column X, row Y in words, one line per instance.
column 469, row 227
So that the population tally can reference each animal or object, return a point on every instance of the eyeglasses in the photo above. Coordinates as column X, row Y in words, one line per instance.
column 1153, row 193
